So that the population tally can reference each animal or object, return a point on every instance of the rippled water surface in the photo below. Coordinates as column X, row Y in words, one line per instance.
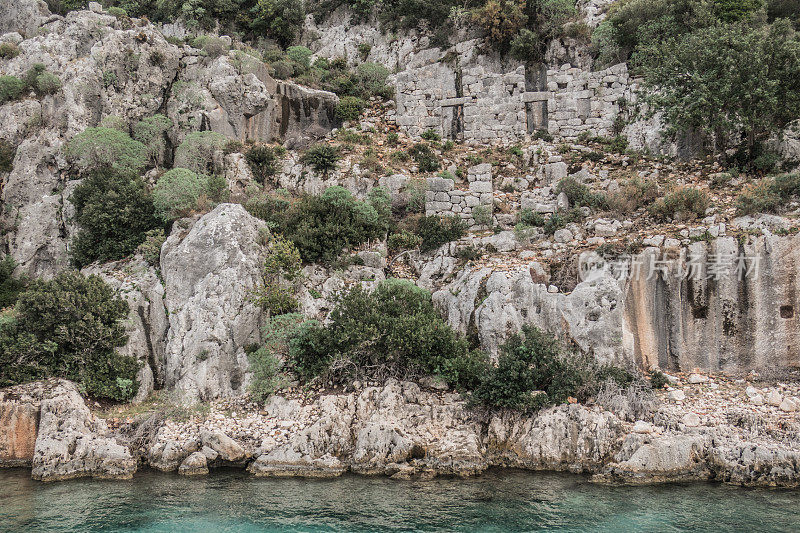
column 500, row 500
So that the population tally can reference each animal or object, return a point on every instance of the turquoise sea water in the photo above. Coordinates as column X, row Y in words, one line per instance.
column 500, row 500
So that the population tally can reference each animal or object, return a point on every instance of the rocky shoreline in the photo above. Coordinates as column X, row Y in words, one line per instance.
column 703, row 428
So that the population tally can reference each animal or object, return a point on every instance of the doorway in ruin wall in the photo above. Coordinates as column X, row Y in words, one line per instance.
column 536, row 111
column 453, row 122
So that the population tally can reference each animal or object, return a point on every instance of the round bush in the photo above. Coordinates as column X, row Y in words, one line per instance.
column 196, row 152
column 106, row 148
column 176, row 193
column 349, row 107
column 11, row 88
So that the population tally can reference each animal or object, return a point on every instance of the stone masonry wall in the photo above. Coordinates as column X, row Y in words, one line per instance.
column 442, row 198
column 463, row 95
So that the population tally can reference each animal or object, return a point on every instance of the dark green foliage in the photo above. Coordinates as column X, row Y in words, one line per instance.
column 196, row 152
column 658, row 380
column 769, row 195
column 436, row 231
column 281, row 20
column 735, row 10
column 684, row 203
column 269, row 207
column 114, row 212
column 263, row 161
column 727, row 81
column 535, row 370
column 405, row 240
column 349, row 107
column 393, row 331
column 579, row 194
column 11, row 88
column 321, row 157
column 425, row 157
column 10, row 286
column 69, row 327
column 430, row 135
column 266, row 363
column 282, row 268
column 323, row 226
column 529, row 217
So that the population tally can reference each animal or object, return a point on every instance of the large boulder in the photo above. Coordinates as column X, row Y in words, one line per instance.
column 210, row 268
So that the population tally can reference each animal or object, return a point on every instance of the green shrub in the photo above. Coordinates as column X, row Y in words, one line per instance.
column 526, row 46
column 151, row 246
column 393, row 331
column 263, row 161
column 8, row 50
column 196, row 152
column 114, row 212
column 11, row 88
column 579, row 194
column 10, row 285
column 430, row 135
column 658, row 380
column 97, row 149
column 269, row 207
column 482, row 215
column 266, row 363
column 372, row 79
column 176, row 193
column 535, row 370
column 46, row 83
column 632, row 195
column 684, row 203
column 7, row 154
column 405, row 240
column 415, row 190
column 117, row 12
column 769, row 195
column 300, row 55
column 349, row 107
column 556, row 221
column 323, row 226
column 211, row 45
column 69, row 327
column 282, row 268
column 426, row 159
column 321, row 157
column 436, row 231
column 216, row 188
column 529, row 217
column 151, row 132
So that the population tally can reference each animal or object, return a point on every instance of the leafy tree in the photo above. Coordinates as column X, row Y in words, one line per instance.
column 321, row 157
column 96, row 149
column 735, row 10
column 114, row 213
column 279, row 19
column 282, row 269
column 725, row 81
column 349, row 107
column 393, row 331
column 69, row 327
column 501, row 19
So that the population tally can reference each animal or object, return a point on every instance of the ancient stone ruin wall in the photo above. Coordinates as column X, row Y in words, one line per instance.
column 442, row 198
column 462, row 95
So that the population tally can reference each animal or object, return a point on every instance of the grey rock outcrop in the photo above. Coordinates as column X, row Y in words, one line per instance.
column 210, row 267
column 47, row 425
column 24, row 16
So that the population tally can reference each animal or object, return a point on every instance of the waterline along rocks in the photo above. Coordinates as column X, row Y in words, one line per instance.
column 228, row 188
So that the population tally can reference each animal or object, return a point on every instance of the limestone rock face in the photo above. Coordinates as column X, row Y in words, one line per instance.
column 24, row 17
column 47, row 425
column 210, row 267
